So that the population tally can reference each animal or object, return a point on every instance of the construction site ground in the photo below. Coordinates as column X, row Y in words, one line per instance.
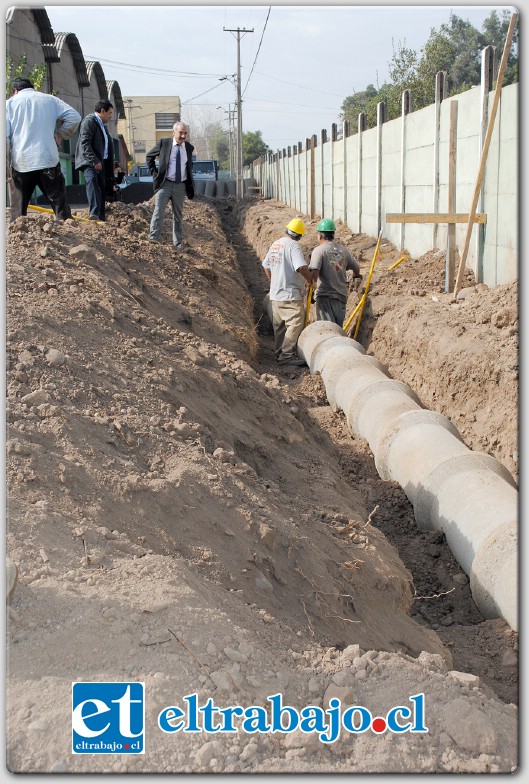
column 184, row 512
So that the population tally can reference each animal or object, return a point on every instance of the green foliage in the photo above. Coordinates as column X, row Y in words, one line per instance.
column 455, row 48
column 36, row 74
column 253, row 147
column 219, row 145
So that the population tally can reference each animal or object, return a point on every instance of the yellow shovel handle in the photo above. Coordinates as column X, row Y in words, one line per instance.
column 45, row 209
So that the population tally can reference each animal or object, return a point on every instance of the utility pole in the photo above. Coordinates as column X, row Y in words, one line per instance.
column 239, row 31
column 230, row 112
column 130, row 107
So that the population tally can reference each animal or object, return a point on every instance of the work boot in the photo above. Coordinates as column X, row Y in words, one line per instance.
column 294, row 362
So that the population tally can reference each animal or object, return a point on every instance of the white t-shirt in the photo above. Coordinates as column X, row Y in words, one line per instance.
column 284, row 259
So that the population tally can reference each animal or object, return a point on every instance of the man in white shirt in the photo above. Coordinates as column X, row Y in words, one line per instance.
column 172, row 181
column 36, row 123
column 287, row 271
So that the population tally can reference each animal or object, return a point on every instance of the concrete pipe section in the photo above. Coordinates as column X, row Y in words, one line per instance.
column 470, row 496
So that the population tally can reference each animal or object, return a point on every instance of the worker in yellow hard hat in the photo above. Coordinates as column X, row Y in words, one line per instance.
column 287, row 271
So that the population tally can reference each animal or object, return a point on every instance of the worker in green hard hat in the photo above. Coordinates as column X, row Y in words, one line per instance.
column 287, row 272
column 329, row 262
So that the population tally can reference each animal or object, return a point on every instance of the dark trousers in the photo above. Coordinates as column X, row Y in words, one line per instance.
column 95, row 191
column 50, row 181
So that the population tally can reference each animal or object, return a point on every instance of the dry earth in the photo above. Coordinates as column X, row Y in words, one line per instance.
column 184, row 513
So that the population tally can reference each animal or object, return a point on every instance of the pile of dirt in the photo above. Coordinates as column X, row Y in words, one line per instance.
column 182, row 514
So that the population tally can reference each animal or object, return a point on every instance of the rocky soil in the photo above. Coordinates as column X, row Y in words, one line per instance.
column 184, row 513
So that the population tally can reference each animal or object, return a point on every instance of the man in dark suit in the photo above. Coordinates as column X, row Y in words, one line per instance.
column 94, row 157
column 172, row 180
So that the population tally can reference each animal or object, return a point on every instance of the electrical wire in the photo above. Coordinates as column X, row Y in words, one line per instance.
column 258, row 49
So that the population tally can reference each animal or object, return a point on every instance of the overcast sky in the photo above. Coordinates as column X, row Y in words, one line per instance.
column 297, row 65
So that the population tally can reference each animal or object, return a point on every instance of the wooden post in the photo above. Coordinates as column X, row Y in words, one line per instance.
column 452, row 179
column 486, row 145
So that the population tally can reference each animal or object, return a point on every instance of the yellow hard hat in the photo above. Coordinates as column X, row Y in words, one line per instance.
column 297, row 226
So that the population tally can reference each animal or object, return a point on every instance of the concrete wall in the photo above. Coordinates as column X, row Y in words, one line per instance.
column 392, row 169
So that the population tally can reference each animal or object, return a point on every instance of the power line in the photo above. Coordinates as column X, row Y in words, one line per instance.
column 258, row 49
column 301, row 86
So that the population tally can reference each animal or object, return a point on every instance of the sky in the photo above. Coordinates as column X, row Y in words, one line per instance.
column 297, row 66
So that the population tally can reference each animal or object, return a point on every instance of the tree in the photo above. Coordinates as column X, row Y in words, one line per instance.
column 35, row 74
column 494, row 34
column 253, row 147
column 455, row 48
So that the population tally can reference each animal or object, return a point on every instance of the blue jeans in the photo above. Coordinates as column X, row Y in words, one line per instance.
column 95, row 191
column 175, row 192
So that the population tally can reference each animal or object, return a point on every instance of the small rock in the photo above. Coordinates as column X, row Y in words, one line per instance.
column 344, row 693
column 509, row 659
column 55, row 358
column 268, row 536
column 464, row 678
column 207, row 752
column 234, row 655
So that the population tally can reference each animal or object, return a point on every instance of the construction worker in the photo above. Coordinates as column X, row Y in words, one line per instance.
column 329, row 262
column 286, row 270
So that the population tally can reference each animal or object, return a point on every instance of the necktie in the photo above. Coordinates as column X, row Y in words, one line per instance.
column 178, row 173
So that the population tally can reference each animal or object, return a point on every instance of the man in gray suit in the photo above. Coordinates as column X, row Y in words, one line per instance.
column 172, row 180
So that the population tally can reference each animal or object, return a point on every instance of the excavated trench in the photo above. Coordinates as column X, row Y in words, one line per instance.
column 442, row 597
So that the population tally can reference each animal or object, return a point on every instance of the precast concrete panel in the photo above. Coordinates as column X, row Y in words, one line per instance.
column 500, row 186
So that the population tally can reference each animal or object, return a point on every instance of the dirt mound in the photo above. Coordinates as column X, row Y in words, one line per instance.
column 179, row 514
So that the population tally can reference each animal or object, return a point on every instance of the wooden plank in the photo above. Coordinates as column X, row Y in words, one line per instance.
column 486, row 145
column 433, row 217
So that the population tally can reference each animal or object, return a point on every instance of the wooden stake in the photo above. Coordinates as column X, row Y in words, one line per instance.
column 484, row 153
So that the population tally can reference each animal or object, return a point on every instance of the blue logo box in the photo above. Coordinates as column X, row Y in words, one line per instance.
column 108, row 718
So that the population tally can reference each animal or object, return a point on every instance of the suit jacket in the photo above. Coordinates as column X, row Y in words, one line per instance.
column 91, row 145
column 162, row 150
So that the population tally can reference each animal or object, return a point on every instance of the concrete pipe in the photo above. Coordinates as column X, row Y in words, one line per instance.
column 211, row 189
column 220, row 191
column 470, row 496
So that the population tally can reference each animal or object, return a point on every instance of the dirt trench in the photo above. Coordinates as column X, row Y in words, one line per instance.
column 442, row 599
column 184, row 513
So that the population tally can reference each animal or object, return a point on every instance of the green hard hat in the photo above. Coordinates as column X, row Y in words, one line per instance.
column 326, row 225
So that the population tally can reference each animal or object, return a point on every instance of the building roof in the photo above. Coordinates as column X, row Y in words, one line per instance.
column 70, row 40
column 94, row 67
column 115, row 90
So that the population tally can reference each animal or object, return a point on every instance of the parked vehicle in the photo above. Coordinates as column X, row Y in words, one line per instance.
column 205, row 170
column 139, row 173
